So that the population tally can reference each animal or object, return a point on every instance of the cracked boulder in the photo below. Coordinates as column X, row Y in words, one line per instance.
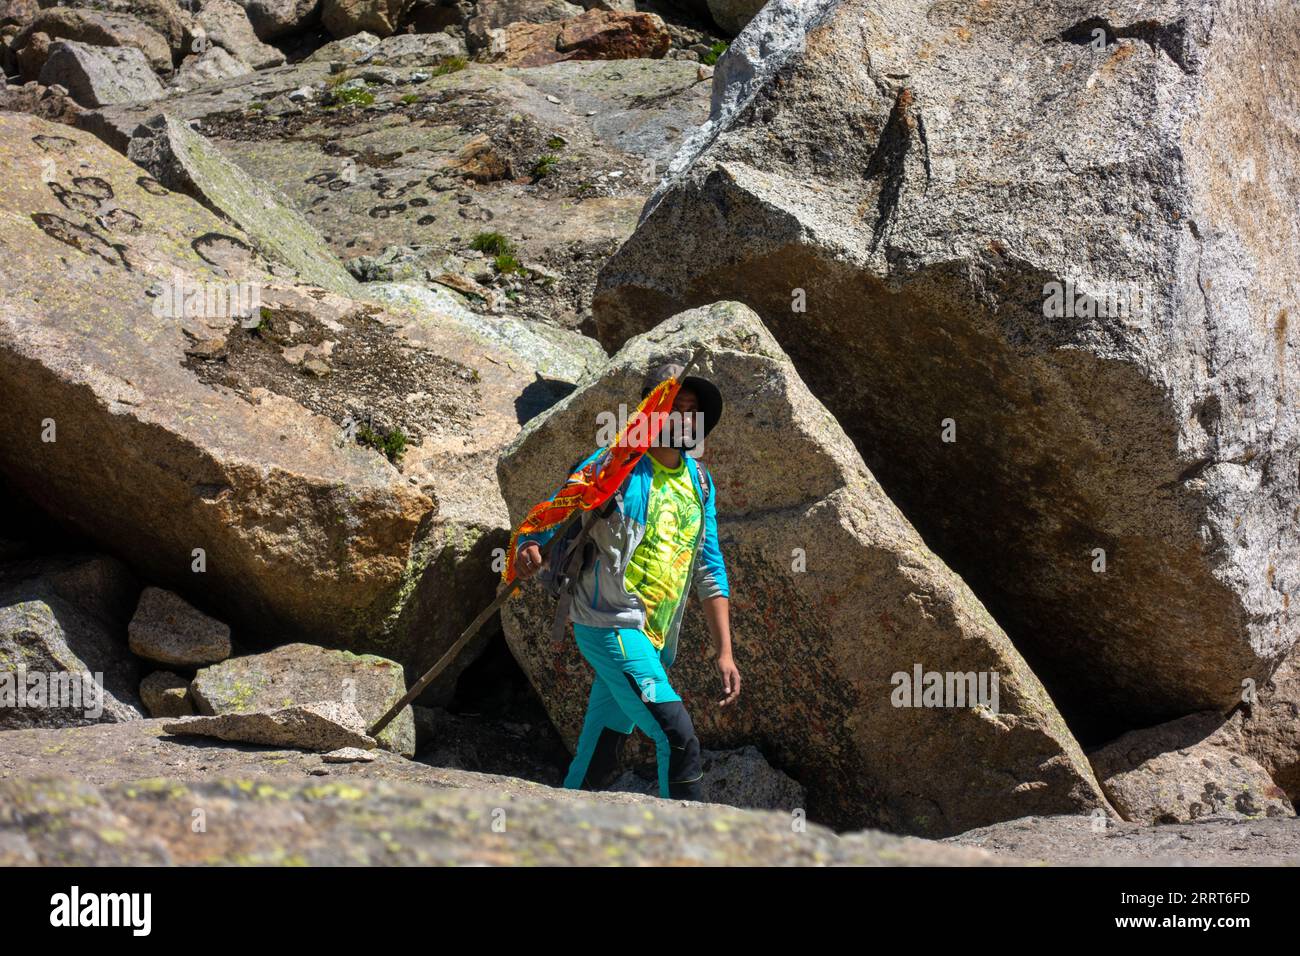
column 1040, row 265
column 153, row 406
column 835, row 600
column 302, row 673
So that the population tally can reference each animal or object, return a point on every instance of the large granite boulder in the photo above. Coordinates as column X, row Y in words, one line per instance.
column 99, row 28
column 145, row 409
column 100, row 75
column 833, row 596
column 303, row 673
column 1039, row 261
column 1188, row 769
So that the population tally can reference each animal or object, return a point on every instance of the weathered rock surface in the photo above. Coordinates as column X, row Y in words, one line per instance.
column 63, row 660
column 194, row 447
column 320, row 726
column 438, row 161
column 1085, row 841
column 302, row 673
column 738, row 778
column 183, row 160
column 100, row 75
column 327, row 823
column 919, row 176
column 818, row 641
column 141, row 771
column 1270, row 730
column 167, row 629
column 1185, row 770
column 166, row 695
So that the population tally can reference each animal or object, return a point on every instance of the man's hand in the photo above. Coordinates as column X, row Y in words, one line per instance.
column 529, row 561
column 730, row 680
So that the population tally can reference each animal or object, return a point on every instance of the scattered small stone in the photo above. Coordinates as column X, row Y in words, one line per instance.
column 166, row 695
column 348, row 755
column 321, row 726
column 169, row 630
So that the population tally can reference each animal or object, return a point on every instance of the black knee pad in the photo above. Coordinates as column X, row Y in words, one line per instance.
column 685, row 769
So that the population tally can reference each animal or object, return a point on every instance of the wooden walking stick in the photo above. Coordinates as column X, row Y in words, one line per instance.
column 483, row 616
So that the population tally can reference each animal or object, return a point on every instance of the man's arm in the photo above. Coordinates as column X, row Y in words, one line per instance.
column 715, row 595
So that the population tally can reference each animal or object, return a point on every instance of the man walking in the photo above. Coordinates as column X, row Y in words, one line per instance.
column 629, row 598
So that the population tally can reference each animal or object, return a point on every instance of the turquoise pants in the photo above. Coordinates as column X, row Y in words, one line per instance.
column 631, row 690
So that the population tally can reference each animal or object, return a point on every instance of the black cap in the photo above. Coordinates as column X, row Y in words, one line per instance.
column 710, row 398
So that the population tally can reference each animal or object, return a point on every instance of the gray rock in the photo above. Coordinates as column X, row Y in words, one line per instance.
column 322, row 726
column 840, row 594
column 738, row 778
column 492, row 15
column 302, row 673
column 166, row 695
column 212, row 65
column 733, row 15
column 100, row 28
column 970, row 177
column 225, row 24
column 272, row 19
column 413, row 49
column 100, row 76
column 1270, row 729
column 1185, row 770
column 61, row 621
column 169, row 630
column 349, row 755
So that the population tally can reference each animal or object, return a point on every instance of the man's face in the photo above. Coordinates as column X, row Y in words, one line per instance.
column 685, row 405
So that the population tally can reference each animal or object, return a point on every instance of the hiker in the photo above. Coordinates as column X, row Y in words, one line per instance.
column 659, row 534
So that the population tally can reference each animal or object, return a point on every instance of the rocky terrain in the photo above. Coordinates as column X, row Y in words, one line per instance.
column 303, row 303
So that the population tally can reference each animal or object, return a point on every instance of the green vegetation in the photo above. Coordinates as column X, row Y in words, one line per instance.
column 351, row 96
column 392, row 445
column 557, row 142
column 715, row 51
column 257, row 105
column 410, row 98
column 545, row 165
column 452, row 64
column 492, row 243
column 506, row 264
